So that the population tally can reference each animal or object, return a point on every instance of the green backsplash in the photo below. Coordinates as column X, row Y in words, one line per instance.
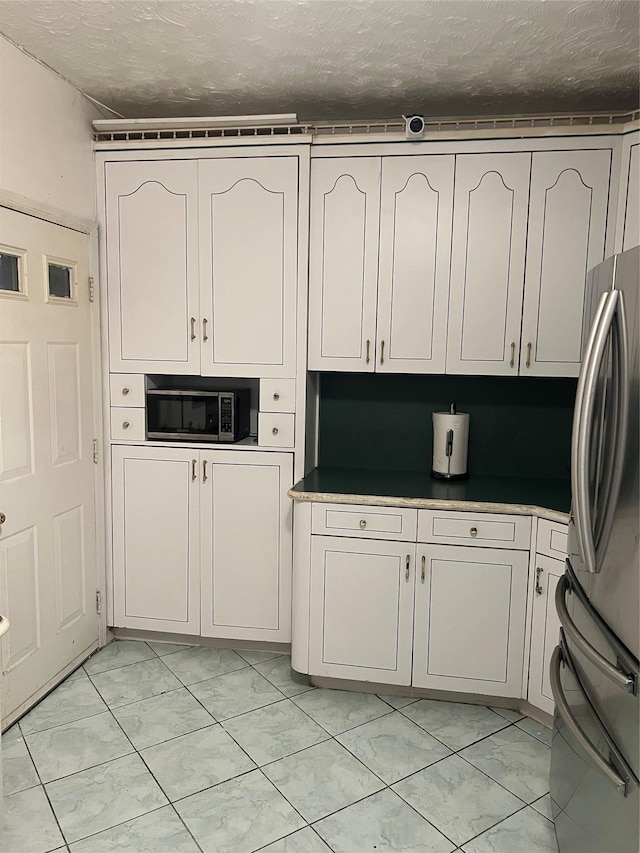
column 518, row 426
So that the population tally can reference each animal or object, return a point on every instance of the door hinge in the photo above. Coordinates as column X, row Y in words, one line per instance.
column 98, row 602
column 95, row 450
column 92, row 289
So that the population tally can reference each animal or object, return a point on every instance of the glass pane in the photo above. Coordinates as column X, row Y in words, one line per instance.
column 9, row 278
column 59, row 281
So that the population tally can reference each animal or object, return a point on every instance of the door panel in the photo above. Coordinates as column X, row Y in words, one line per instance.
column 415, row 228
column 152, row 266
column 155, row 539
column 545, row 629
column 470, row 619
column 246, row 546
column 48, row 575
column 343, row 263
column 567, row 227
column 487, row 263
column 361, row 609
column 249, row 242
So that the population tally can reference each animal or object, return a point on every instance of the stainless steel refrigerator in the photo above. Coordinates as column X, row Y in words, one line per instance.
column 595, row 753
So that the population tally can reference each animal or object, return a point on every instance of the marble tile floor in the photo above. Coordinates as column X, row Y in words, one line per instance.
column 154, row 747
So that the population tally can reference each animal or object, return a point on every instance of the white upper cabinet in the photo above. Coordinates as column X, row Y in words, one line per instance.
column 343, row 263
column 248, row 265
column 379, row 263
column 152, row 266
column 568, row 205
column 487, row 263
column 628, row 227
column 413, row 278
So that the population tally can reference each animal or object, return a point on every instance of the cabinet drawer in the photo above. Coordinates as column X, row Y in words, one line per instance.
column 127, row 389
column 275, row 430
column 466, row 528
column 552, row 539
column 127, row 423
column 366, row 522
column 278, row 395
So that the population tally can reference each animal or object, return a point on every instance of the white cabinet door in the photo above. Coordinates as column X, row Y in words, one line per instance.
column 487, row 263
column 246, row 545
column 415, row 246
column 361, row 609
column 628, row 227
column 343, row 263
column 566, row 237
column 249, row 258
column 152, row 266
column 545, row 629
column 156, row 578
column 470, row 606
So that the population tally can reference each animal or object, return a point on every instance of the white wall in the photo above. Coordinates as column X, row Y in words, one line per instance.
column 46, row 156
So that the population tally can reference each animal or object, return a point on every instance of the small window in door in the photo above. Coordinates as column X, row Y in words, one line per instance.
column 61, row 278
column 12, row 272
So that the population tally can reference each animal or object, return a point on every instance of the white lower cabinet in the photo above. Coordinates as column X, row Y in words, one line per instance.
column 545, row 629
column 361, row 609
column 182, row 516
column 469, row 626
column 441, row 616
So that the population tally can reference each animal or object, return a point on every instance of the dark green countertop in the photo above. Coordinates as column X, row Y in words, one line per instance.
column 522, row 495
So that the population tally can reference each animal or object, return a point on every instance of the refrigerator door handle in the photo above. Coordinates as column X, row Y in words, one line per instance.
column 626, row 680
column 581, row 433
column 613, row 769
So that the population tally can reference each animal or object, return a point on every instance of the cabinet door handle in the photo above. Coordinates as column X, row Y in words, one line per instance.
column 424, row 560
column 513, row 354
column 539, row 571
column 382, row 352
column 367, row 355
column 204, row 331
column 193, row 328
column 274, row 431
column 125, row 424
column 528, row 361
column 193, row 470
column 276, row 396
column 204, row 470
column 3, row 518
column 125, row 391
column 406, row 571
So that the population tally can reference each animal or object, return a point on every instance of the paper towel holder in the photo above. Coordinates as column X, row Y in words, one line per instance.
column 453, row 429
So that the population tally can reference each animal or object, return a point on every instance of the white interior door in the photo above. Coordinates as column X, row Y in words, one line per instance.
column 48, row 566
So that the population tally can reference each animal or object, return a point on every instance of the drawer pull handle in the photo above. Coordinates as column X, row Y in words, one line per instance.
column 363, row 523
column 276, row 396
column 125, row 424
column 274, row 431
column 125, row 391
column 406, row 571
column 473, row 531
column 424, row 560
column 539, row 571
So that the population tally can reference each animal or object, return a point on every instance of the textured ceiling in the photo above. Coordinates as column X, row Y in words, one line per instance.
column 337, row 59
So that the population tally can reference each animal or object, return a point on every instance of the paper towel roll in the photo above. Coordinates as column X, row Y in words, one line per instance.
column 450, row 445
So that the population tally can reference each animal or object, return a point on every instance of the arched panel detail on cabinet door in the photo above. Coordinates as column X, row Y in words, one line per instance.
column 153, row 273
column 488, row 259
column 343, row 269
column 565, row 248
column 247, row 244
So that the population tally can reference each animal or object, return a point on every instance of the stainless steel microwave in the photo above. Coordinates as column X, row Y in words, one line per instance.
column 178, row 415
